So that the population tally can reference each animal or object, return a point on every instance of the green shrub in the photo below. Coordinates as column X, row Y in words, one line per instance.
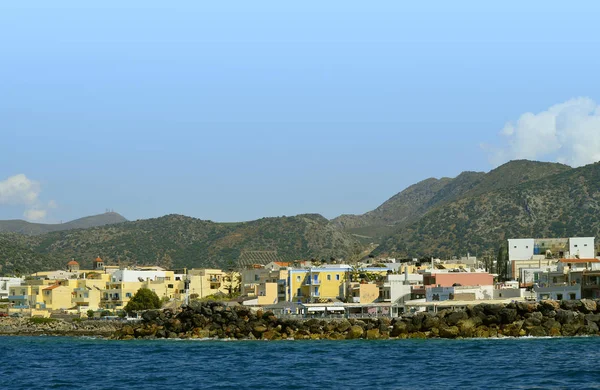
column 42, row 320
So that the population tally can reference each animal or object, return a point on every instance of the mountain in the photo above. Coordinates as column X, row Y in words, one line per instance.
column 178, row 241
column 28, row 228
column 16, row 258
column 519, row 199
column 410, row 205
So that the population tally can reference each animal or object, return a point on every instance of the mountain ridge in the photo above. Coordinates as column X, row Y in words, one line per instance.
column 30, row 228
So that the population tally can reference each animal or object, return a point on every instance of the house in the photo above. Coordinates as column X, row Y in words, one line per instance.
column 209, row 281
column 318, row 283
column 6, row 283
column 57, row 297
column 542, row 252
column 449, row 279
column 558, row 292
column 590, row 284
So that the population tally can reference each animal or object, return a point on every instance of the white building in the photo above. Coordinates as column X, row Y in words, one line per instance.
column 582, row 247
column 558, row 292
column 128, row 275
column 6, row 284
column 520, row 248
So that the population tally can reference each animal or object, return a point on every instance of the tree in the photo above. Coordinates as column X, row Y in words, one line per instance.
column 90, row 313
column 144, row 299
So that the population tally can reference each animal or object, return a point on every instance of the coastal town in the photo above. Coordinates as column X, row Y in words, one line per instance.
column 539, row 269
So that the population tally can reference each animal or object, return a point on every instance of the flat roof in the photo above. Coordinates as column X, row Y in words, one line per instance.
column 451, row 303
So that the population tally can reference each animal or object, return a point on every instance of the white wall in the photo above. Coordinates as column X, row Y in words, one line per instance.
column 6, row 284
column 582, row 246
column 399, row 292
column 127, row 275
column 520, row 248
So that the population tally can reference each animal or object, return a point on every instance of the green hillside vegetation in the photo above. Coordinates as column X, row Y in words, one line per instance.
column 413, row 203
column 28, row 228
column 562, row 204
column 177, row 241
column 16, row 259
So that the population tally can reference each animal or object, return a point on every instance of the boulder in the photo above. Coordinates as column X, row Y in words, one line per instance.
column 449, row 332
column 467, row 327
column 399, row 329
column 431, row 322
column 355, row 332
column 513, row 329
column 536, row 331
column 589, row 306
column 373, row 334
column 508, row 316
column 453, row 318
column 150, row 315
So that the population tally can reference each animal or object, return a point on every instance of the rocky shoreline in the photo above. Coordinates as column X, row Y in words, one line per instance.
column 30, row 327
column 215, row 320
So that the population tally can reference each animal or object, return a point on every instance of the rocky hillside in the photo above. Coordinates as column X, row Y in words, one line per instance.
column 562, row 204
column 24, row 227
column 410, row 205
column 179, row 241
column 17, row 258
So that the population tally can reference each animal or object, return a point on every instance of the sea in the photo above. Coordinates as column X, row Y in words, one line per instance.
column 47, row 362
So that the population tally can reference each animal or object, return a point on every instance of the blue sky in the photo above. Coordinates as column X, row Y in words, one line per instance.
column 239, row 110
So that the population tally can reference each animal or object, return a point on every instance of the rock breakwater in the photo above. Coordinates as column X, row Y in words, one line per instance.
column 214, row 320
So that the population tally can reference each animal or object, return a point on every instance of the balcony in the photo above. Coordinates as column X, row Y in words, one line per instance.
column 312, row 282
column 18, row 297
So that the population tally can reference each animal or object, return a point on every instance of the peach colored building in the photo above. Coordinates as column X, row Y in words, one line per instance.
column 449, row 279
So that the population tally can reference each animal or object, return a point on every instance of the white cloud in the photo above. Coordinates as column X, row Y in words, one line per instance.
column 568, row 132
column 19, row 189
column 35, row 214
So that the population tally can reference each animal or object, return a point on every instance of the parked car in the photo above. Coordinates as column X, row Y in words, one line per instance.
column 16, row 315
column 3, row 314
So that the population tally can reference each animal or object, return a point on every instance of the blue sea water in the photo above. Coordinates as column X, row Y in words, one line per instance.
column 87, row 363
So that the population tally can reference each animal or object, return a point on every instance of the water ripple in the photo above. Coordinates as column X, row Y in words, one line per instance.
column 73, row 363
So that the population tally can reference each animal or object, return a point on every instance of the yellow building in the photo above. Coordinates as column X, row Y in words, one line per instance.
column 267, row 294
column 205, row 282
column 365, row 292
column 57, row 297
column 317, row 284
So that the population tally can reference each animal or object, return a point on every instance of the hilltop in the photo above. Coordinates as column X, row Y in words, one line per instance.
column 179, row 241
column 473, row 212
column 515, row 200
column 413, row 203
column 29, row 228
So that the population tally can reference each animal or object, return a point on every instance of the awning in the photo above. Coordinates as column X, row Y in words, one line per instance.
column 335, row 308
column 316, row 309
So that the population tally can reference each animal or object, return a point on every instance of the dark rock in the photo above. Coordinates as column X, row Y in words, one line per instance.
column 453, row 318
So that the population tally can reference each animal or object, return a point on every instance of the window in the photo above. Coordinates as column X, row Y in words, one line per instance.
column 575, row 245
column 515, row 247
column 584, row 244
column 177, row 278
column 328, row 277
column 128, row 295
column 559, row 297
column 526, row 246
column 256, row 278
column 337, row 277
column 169, row 285
column 572, row 296
column 298, row 278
